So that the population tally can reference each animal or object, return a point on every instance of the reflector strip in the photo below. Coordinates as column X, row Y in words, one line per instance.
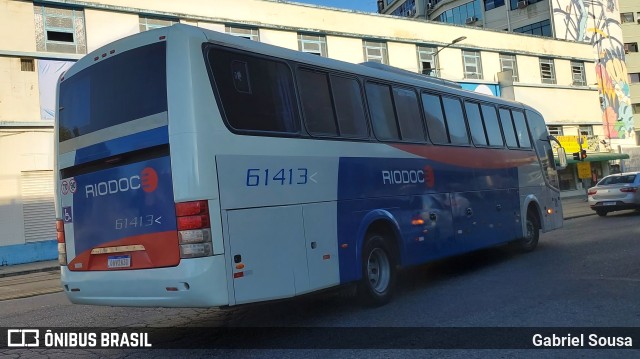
column 118, row 249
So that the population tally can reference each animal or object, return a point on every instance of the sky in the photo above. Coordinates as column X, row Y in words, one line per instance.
column 360, row 5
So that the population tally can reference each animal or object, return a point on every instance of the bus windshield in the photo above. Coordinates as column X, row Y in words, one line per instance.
column 119, row 89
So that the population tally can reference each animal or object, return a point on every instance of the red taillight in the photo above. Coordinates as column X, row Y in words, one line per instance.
column 194, row 235
column 592, row 191
column 193, row 222
column 62, row 250
column 60, row 231
column 629, row 189
column 191, row 208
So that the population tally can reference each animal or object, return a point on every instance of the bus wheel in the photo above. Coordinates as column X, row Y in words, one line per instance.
column 378, row 271
column 530, row 240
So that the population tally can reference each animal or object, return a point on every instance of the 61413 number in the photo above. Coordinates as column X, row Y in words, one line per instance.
column 284, row 176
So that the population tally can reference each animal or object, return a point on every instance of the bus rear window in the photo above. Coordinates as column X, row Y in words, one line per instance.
column 119, row 89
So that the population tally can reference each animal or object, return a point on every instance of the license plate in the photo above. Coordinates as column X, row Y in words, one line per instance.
column 119, row 261
column 608, row 203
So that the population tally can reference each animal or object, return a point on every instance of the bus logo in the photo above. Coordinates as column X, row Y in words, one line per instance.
column 148, row 180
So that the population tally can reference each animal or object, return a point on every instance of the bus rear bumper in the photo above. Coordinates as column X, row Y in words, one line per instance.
column 197, row 282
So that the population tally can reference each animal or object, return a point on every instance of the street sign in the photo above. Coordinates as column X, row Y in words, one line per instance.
column 584, row 169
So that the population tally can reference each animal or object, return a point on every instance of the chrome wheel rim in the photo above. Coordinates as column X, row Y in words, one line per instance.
column 378, row 270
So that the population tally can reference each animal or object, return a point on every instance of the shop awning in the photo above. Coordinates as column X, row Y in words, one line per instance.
column 598, row 157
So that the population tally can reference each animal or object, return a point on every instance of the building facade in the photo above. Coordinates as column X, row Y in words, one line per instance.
column 596, row 22
column 47, row 37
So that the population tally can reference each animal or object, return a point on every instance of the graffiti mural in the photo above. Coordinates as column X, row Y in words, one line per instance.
column 597, row 22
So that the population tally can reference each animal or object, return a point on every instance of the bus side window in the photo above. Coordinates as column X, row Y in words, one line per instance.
column 316, row 103
column 435, row 118
column 347, row 97
column 409, row 118
column 257, row 94
column 521, row 129
column 383, row 117
column 455, row 121
column 490, row 118
column 507, row 126
column 475, row 123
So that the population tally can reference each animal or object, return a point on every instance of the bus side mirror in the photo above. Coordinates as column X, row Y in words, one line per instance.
column 562, row 159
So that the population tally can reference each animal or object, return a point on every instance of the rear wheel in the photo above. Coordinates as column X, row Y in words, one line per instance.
column 532, row 234
column 378, row 271
column 601, row 212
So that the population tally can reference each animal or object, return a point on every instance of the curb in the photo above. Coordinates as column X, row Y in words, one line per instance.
column 29, row 271
column 579, row 216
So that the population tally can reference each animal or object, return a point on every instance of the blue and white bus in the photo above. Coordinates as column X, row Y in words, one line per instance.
column 198, row 169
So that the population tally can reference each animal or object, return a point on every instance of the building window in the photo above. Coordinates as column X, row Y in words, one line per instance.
column 246, row 32
column 630, row 47
column 547, row 71
column 634, row 78
column 375, row 51
column 515, row 4
column 466, row 14
column 313, row 44
column 555, row 130
column 60, row 29
column 626, row 17
column 542, row 28
column 508, row 62
column 585, row 130
column 492, row 4
column 472, row 64
column 27, row 65
column 577, row 73
column 428, row 61
column 150, row 23
column 407, row 8
column 635, row 108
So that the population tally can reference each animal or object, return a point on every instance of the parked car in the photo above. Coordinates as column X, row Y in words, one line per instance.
column 615, row 192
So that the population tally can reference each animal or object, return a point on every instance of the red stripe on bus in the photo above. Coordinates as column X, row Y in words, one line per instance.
column 160, row 250
column 489, row 158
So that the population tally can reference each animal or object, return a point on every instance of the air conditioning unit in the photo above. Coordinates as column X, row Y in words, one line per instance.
column 471, row 20
column 522, row 4
column 430, row 7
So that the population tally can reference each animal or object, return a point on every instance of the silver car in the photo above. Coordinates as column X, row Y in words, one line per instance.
column 615, row 193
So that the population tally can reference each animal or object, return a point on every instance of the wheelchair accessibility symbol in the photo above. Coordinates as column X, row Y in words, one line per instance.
column 66, row 215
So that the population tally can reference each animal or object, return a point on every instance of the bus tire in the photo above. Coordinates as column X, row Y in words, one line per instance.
column 530, row 240
column 378, row 271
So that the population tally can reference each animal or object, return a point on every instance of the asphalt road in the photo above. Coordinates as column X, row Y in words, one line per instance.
column 585, row 275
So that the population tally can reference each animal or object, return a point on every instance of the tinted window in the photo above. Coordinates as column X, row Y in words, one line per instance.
column 521, row 129
column 348, row 101
column 116, row 90
column 408, row 112
column 623, row 179
column 507, row 127
column 475, row 123
column 316, row 103
column 435, row 118
column 256, row 93
column 455, row 121
column 383, row 118
column 491, row 124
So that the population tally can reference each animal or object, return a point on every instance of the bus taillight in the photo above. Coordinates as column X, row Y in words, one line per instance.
column 194, row 229
column 62, row 250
